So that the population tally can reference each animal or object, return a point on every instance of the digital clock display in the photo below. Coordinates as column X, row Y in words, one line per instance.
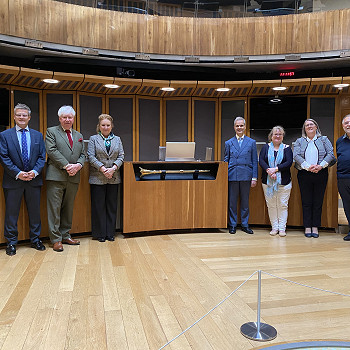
column 286, row 74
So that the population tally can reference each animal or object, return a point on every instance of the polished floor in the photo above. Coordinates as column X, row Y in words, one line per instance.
column 140, row 292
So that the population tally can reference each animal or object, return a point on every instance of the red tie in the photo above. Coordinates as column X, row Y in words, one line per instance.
column 70, row 138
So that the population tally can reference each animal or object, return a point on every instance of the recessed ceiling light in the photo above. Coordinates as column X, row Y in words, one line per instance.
column 275, row 100
column 111, row 86
column 51, row 81
column 279, row 88
column 168, row 88
column 223, row 89
column 340, row 86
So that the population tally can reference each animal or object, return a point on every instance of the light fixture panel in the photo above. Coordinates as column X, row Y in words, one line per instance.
column 51, row 81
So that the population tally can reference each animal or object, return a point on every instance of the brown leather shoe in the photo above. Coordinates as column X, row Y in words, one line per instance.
column 71, row 241
column 57, row 247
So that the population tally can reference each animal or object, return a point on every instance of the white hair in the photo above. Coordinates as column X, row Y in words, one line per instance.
column 238, row 119
column 65, row 110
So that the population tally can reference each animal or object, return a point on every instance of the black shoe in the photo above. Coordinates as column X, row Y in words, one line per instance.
column 101, row 239
column 347, row 237
column 38, row 245
column 110, row 238
column 232, row 230
column 11, row 249
column 247, row 230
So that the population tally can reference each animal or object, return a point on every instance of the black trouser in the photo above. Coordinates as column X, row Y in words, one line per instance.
column 312, row 188
column 104, row 199
column 344, row 191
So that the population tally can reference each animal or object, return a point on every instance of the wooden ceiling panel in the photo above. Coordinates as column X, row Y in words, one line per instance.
column 31, row 78
column 8, row 74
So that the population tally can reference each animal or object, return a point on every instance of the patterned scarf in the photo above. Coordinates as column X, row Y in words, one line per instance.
column 272, row 185
column 107, row 140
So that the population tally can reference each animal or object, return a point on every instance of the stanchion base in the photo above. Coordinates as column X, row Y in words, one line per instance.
column 250, row 331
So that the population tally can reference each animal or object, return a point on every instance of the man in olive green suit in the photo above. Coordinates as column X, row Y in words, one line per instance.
column 65, row 151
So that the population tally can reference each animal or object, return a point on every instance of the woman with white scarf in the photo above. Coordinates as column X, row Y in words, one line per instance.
column 275, row 160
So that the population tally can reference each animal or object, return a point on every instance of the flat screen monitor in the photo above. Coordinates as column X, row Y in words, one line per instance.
column 180, row 151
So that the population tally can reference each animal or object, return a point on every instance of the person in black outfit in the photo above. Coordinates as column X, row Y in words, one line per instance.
column 313, row 154
column 343, row 168
column 106, row 156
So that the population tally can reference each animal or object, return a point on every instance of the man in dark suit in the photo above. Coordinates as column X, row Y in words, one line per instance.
column 343, row 169
column 242, row 158
column 65, row 151
column 22, row 154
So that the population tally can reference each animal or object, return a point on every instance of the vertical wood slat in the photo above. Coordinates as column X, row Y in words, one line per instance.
column 84, row 26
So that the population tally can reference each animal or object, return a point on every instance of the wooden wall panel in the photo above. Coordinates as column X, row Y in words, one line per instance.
column 90, row 107
column 174, row 204
column 84, row 26
column 149, row 111
column 204, row 118
column 122, row 111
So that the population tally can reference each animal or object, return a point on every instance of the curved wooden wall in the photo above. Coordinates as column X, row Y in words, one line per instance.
column 75, row 25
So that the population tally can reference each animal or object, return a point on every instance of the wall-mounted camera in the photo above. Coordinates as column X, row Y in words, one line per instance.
column 125, row 73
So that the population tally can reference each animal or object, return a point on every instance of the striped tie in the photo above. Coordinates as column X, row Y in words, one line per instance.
column 25, row 157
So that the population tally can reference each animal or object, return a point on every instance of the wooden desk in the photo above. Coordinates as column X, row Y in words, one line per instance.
column 174, row 204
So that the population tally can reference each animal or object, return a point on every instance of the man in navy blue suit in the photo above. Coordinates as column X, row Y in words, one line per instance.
column 242, row 158
column 22, row 154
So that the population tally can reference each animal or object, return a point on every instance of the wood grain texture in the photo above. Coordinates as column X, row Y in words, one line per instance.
column 141, row 292
column 98, row 28
column 162, row 205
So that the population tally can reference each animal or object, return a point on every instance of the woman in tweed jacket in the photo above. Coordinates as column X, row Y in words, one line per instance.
column 313, row 154
column 106, row 156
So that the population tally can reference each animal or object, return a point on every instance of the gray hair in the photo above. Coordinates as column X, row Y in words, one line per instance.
column 277, row 127
column 65, row 110
column 238, row 119
column 342, row 121
column 318, row 130
column 22, row 106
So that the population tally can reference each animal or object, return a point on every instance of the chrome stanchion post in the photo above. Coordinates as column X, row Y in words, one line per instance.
column 257, row 330
column 259, row 303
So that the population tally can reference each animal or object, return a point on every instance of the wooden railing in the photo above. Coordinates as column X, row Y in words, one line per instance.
column 63, row 23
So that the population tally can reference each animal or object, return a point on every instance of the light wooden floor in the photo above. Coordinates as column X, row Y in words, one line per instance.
column 138, row 293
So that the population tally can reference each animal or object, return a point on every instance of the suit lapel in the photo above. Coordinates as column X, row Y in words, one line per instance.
column 63, row 134
column 15, row 142
column 32, row 143
column 113, row 145
column 76, row 138
column 235, row 144
column 244, row 143
column 101, row 143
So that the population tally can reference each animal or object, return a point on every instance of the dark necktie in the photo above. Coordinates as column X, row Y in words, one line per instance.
column 70, row 138
column 25, row 157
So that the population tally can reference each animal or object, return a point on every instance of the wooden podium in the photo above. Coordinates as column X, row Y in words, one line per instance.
column 174, row 203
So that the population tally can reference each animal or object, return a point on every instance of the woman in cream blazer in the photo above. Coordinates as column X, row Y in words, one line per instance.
column 106, row 156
